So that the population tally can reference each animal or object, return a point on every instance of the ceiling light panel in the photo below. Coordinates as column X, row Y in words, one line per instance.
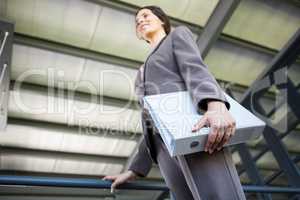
column 72, row 22
column 43, row 136
column 238, row 60
column 78, row 23
column 194, row 11
column 48, row 68
column 23, row 162
column 115, row 34
column 271, row 25
column 39, row 105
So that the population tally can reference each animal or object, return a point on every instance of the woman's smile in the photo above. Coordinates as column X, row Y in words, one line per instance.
column 144, row 26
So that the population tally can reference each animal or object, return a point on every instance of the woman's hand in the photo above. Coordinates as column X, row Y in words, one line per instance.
column 120, row 179
column 221, row 123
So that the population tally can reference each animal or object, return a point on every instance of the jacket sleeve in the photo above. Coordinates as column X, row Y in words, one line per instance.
column 199, row 81
column 142, row 162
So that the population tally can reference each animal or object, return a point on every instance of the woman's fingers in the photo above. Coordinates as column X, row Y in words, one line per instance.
column 115, row 181
column 228, row 134
column 222, row 127
column 225, row 139
column 201, row 123
column 219, row 138
column 111, row 178
column 119, row 179
column 216, row 133
column 219, row 134
column 211, row 138
column 115, row 184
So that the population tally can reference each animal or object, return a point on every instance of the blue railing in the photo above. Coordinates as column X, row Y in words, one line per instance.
column 98, row 183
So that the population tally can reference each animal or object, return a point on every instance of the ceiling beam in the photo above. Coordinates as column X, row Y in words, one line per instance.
column 215, row 25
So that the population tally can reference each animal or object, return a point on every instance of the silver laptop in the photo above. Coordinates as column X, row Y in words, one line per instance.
column 174, row 115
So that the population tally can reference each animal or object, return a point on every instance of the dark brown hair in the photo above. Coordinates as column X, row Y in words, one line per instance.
column 160, row 14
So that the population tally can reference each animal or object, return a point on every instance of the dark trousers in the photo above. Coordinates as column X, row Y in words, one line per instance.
column 215, row 174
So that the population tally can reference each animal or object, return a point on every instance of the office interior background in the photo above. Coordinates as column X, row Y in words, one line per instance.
column 69, row 115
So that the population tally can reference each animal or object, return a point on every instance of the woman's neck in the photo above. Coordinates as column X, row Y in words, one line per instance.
column 156, row 38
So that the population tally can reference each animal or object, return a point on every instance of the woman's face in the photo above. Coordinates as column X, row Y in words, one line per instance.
column 147, row 23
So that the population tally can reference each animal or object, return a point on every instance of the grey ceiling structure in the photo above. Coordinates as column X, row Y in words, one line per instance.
column 71, row 110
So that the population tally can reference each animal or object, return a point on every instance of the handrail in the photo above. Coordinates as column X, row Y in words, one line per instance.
column 75, row 182
column 3, row 72
column 1, row 79
column 3, row 42
column 98, row 183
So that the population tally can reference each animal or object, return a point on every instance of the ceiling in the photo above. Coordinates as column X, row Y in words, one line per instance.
column 73, row 68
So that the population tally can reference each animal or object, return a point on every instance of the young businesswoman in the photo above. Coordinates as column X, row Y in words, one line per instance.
column 175, row 64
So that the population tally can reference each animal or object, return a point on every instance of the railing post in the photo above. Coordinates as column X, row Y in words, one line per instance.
column 6, row 40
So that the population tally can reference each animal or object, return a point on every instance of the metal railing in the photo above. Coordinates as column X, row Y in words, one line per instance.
column 101, row 184
column 6, row 34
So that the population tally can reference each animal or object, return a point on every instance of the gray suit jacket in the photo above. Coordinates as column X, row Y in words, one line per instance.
column 175, row 64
